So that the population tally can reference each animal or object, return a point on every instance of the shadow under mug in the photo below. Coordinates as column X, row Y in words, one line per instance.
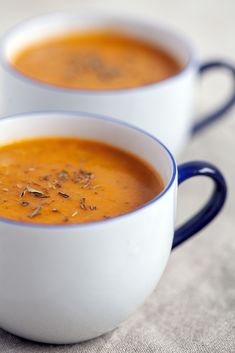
column 165, row 109
column 69, row 283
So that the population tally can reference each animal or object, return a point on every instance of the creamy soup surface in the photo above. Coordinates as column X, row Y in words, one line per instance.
column 102, row 60
column 69, row 180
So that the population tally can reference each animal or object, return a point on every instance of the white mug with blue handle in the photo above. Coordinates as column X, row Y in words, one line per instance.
column 165, row 109
column 70, row 283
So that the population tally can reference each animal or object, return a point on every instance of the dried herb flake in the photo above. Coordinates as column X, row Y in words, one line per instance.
column 74, row 213
column 55, row 210
column 36, row 212
column 24, row 203
column 34, row 192
column 63, row 194
column 63, row 175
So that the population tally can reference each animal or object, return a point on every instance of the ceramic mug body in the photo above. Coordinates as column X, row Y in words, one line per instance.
column 164, row 109
column 64, row 284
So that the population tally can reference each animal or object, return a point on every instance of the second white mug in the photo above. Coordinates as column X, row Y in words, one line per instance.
column 165, row 109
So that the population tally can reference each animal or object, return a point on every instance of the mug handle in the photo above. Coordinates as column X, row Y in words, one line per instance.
column 212, row 207
column 220, row 112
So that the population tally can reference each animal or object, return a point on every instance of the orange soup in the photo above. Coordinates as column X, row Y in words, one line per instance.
column 95, row 61
column 68, row 180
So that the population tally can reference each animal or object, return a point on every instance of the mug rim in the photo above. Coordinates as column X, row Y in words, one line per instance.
column 192, row 62
column 78, row 115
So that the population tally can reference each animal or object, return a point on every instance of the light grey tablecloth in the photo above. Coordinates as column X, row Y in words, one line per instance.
column 193, row 307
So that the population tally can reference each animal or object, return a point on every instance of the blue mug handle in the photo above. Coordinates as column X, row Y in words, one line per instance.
column 212, row 207
column 220, row 112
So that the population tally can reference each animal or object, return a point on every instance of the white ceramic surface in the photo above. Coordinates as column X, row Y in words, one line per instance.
column 164, row 109
column 64, row 284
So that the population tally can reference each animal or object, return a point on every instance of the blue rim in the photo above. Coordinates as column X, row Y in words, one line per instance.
column 78, row 115
column 191, row 63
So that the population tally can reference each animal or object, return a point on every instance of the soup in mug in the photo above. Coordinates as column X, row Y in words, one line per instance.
column 69, row 180
column 102, row 60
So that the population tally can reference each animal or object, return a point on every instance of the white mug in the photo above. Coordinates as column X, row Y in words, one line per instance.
column 165, row 109
column 70, row 283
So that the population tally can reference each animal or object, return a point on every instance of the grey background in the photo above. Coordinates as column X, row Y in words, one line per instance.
column 193, row 307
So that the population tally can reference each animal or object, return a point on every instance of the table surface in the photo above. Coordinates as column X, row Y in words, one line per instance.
column 193, row 307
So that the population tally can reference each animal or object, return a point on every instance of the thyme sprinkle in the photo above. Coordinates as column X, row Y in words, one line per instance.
column 35, row 212
column 24, row 203
column 55, row 210
column 63, row 175
column 87, row 174
column 23, row 193
column 34, row 192
column 83, row 177
column 63, row 194
column 74, row 213
column 82, row 203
